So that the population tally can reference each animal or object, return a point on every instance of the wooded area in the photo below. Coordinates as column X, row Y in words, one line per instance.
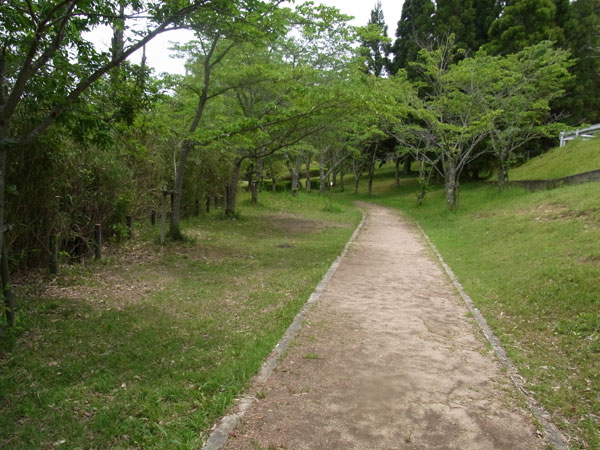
column 88, row 138
column 287, row 99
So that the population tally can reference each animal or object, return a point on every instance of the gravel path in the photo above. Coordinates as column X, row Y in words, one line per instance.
column 387, row 359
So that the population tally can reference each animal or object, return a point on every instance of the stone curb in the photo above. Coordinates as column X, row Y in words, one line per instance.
column 557, row 439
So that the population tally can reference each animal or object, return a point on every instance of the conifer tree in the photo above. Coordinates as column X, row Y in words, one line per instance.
column 456, row 17
column 376, row 49
column 582, row 33
column 486, row 12
column 415, row 30
column 524, row 23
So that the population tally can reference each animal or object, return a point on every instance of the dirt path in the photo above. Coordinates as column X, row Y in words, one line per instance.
column 387, row 359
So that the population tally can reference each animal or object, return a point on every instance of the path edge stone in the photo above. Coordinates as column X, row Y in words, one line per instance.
column 220, row 433
column 552, row 433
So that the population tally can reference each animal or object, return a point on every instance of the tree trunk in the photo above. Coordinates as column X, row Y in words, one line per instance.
column 372, row 170
column 342, row 173
column 397, row 171
column 290, row 169
column 253, row 185
column 357, row 170
column 308, row 174
column 232, row 187
column 249, row 178
column 321, row 174
column 175, row 227
column 9, row 299
column 3, row 152
column 407, row 163
column 502, row 171
column 422, row 183
column 257, row 180
column 296, row 174
column 117, row 46
column 451, row 185
column 335, row 174
column 273, row 178
column 356, row 183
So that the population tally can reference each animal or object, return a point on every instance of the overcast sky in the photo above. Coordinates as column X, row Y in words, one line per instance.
column 158, row 54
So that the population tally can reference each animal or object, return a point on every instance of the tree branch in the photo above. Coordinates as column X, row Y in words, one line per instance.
column 87, row 82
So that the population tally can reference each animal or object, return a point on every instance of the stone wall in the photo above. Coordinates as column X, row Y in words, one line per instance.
column 539, row 185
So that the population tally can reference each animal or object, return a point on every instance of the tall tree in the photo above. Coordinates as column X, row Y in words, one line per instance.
column 486, row 12
column 415, row 31
column 582, row 33
column 375, row 43
column 524, row 23
column 452, row 119
column 456, row 17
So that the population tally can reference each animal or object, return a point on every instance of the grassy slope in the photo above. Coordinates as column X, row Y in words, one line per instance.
column 531, row 262
column 576, row 157
column 146, row 349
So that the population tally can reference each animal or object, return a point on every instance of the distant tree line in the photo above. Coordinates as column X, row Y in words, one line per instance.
column 503, row 28
column 269, row 93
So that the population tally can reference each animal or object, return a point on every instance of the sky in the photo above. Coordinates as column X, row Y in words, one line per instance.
column 157, row 51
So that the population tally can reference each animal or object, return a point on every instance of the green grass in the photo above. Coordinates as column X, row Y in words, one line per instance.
column 576, row 157
column 147, row 348
column 531, row 262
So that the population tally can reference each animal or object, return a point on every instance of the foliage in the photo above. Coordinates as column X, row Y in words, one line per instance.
column 524, row 23
column 375, row 43
column 452, row 118
column 415, row 29
column 522, row 87
column 582, row 34
column 458, row 18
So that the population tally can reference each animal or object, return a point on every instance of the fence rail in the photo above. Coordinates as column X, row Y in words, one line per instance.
column 583, row 133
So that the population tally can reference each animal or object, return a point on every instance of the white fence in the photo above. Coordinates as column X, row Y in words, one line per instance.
column 583, row 133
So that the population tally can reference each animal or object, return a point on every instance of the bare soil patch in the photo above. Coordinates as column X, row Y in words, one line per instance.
column 387, row 359
column 295, row 224
column 132, row 271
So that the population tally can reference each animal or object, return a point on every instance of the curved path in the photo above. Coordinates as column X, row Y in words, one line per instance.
column 388, row 358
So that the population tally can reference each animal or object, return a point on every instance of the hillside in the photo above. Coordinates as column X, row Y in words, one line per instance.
column 576, row 157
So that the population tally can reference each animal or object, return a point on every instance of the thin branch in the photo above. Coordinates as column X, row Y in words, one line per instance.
column 87, row 82
column 32, row 13
column 28, row 67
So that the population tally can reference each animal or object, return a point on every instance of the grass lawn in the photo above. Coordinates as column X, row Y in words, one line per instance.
column 531, row 262
column 148, row 347
column 575, row 157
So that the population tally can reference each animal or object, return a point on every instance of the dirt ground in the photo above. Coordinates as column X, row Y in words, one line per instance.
column 387, row 359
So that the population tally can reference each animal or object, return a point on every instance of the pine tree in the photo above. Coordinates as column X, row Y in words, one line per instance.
column 582, row 33
column 415, row 30
column 456, row 17
column 486, row 12
column 563, row 12
column 377, row 49
column 524, row 23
